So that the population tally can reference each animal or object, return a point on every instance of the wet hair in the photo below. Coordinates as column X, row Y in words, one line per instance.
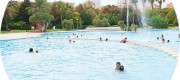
column 100, row 38
column 118, row 63
column 121, row 68
column 74, row 41
column 47, row 38
column 157, row 38
column 36, row 51
column 168, row 41
column 30, row 49
column 106, row 39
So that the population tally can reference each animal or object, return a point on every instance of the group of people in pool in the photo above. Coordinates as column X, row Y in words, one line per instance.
column 73, row 35
column 102, row 40
column 163, row 39
column 31, row 50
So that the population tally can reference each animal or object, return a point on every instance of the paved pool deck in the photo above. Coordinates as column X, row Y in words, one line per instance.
column 103, row 28
column 10, row 36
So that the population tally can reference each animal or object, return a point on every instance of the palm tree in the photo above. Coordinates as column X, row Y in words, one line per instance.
column 61, row 9
column 152, row 6
column 160, row 4
column 10, row 12
column 39, row 6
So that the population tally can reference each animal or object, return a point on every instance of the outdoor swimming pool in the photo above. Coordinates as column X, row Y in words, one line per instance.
column 88, row 58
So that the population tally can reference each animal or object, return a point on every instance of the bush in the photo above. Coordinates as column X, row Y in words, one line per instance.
column 101, row 23
column 105, row 23
column 18, row 25
column 158, row 22
column 122, row 25
column 175, row 22
column 68, row 24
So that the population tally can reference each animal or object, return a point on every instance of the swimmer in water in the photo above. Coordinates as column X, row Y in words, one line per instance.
column 124, row 40
column 31, row 50
column 168, row 41
column 106, row 39
column 77, row 36
column 74, row 41
column 163, row 40
column 162, row 36
column 36, row 51
column 157, row 38
column 100, row 39
column 119, row 66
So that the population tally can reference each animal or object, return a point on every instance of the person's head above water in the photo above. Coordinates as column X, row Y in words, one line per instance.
column 31, row 50
column 106, row 39
column 157, row 38
column 36, row 51
column 119, row 66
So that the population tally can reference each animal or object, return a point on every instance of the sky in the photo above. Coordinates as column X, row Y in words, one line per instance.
column 103, row 2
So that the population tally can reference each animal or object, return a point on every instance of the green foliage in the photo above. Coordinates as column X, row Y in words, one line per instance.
column 175, row 22
column 22, row 14
column 39, row 6
column 61, row 10
column 168, row 14
column 19, row 25
column 68, row 24
column 122, row 25
column 101, row 23
column 158, row 22
column 41, row 18
column 10, row 12
column 105, row 23
column 112, row 19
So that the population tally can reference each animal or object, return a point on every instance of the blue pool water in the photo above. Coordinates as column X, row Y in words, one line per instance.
column 88, row 58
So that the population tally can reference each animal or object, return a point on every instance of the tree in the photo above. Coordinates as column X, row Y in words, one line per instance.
column 122, row 25
column 23, row 12
column 105, row 23
column 152, row 6
column 10, row 12
column 39, row 6
column 86, row 16
column 171, row 16
column 60, row 9
column 158, row 22
column 41, row 18
column 112, row 19
column 77, row 19
column 160, row 4
column 68, row 24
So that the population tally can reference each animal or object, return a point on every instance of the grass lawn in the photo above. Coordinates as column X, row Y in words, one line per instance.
column 33, row 31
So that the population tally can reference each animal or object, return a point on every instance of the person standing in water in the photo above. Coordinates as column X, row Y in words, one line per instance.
column 124, row 40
